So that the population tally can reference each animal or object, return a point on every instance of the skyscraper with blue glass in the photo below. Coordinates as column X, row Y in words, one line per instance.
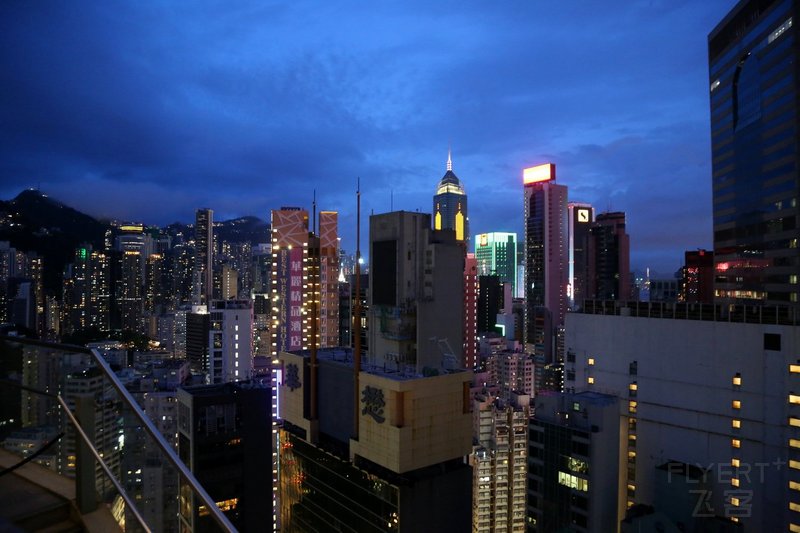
column 753, row 71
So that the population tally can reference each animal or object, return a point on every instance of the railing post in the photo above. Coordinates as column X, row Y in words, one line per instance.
column 85, row 477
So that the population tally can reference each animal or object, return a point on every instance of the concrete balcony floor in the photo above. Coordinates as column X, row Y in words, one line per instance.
column 34, row 498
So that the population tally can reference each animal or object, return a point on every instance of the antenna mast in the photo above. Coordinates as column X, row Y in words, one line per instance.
column 357, row 314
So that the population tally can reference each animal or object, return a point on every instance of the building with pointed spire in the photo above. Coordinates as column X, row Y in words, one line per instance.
column 450, row 204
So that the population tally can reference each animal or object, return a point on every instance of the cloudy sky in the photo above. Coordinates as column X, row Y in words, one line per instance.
column 147, row 110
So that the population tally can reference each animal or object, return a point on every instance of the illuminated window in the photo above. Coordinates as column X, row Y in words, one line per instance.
column 794, row 464
column 736, row 404
column 736, row 424
column 633, row 386
column 794, row 369
column 737, row 379
column 794, row 485
column 591, row 361
column 573, row 482
column 735, row 462
column 794, row 443
column 794, row 528
column 735, row 481
column 794, row 398
column 794, row 507
column 632, row 406
column 734, row 501
column 736, row 443
column 590, row 380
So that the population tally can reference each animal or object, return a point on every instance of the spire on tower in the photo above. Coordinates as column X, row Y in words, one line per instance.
column 449, row 160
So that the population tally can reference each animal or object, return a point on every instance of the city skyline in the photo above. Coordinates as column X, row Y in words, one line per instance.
column 159, row 112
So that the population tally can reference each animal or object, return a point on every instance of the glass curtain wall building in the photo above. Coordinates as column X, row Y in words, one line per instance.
column 753, row 66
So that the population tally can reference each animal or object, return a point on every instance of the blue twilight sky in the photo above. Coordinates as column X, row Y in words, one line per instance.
column 148, row 110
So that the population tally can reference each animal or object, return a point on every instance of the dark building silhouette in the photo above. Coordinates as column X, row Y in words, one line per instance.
column 490, row 302
column 609, row 258
column 347, row 297
column 697, row 277
column 225, row 439
column 204, row 255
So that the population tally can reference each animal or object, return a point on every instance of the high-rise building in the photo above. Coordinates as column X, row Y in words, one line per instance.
column 753, row 54
column 710, row 385
column 289, row 277
column 580, row 218
column 499, row 463
column 545, row 218
column 197, row 347
column 490, row 302
column 470, row 348
column 100, row 291
column 228, row 282
column 450, row 204
column 496, row 253
column 347, row 308
column 225, row 441
column 697, row 283
column 328, row 282
column 512, row 372
column 230, row 340
column 204, row 255
column 75, row 292
column 609, row 258
column 416, row 293
column 393, row 442
column 573, row 466
column 130, row 291
column 155, row 290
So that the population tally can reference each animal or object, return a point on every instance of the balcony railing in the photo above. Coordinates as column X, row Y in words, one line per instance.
column 66, row 408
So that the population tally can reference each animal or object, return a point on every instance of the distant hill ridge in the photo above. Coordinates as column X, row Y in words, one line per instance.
column 35, row 222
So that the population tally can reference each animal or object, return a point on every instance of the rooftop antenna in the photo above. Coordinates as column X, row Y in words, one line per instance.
column 391, row 200
column 357, row 313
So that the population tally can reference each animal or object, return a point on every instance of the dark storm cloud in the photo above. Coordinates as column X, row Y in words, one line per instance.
column 159, row 108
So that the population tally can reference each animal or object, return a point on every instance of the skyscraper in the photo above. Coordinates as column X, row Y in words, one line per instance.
column 753, row 55
column 204, row 254
column 328, row 314
column 470, row 312
column 289, row 255
column 416, row 293
column 496, row 253
column 580, row 218
column 609, row 258
column 545, row 217
column 450, row 204
column 499, row 462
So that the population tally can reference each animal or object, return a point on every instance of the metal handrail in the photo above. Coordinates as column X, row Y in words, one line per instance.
column 151, row 429
column 122, row 492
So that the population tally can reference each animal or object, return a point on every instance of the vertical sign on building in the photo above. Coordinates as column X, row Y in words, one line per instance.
column 295, row 299
column 289, row 249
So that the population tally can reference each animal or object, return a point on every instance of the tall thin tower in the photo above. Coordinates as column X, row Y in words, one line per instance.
column 204, row 253
column 546, row 260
